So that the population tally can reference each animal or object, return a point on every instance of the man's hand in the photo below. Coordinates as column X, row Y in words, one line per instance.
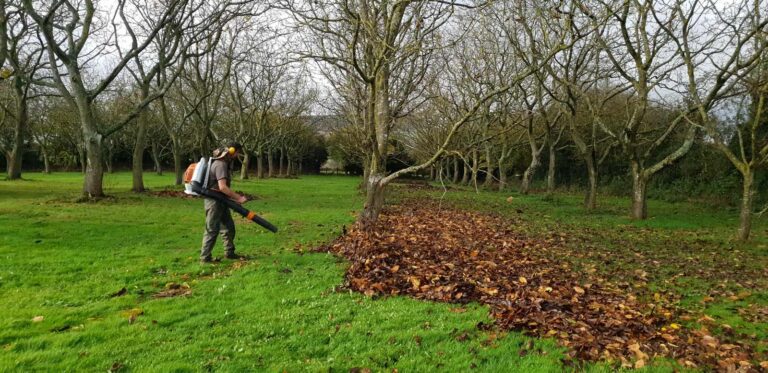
column 230, row 193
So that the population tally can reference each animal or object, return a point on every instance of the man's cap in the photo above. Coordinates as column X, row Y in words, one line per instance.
column 231, row 148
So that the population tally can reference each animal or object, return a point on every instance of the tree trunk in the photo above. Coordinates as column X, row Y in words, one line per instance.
column 11, row 166
column 14, row 161
column 137, row 157
column 177, row 163
column 366, row 174
column 590, row 198
column 747, row 198
column 465, row 176
column 456, row 171
column 379, row 116
column 639, row 190
column 475, row 167
column 94, row 170
column 259, row 164
column 108, row 162
column 46, row 161
column 374, row 200
column 82, row 158
column 270, row 164
column 93, row 140
column 175, row 144
column 282, row 162
column 8, row 162
column 19, row 132
column 244, row 169
column 156, row 158
column 525, row 185
column 502, row 170
column 289, row 170
column 551, row 170
column 502, row 177
column 432, row 173
column 588, row 154
column 489, row 169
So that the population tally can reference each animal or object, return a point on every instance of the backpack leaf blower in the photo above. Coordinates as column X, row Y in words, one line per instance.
column 196, row 182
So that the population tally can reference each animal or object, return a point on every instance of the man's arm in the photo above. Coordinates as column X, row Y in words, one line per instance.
column 223, row 188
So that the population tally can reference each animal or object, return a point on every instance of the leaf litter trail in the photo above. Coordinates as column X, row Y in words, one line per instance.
column 442, row 254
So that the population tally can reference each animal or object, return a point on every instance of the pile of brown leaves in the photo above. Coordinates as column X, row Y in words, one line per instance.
column 172, row 193
column 456, row 256
column 181, row 194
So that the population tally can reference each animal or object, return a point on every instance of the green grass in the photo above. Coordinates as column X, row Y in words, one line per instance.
column 282, row 311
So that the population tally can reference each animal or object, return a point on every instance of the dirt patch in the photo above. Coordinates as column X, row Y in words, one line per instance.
column 174, row 290
column 457, row 256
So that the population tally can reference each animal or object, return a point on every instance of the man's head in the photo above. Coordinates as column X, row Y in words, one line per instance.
column 230, row 151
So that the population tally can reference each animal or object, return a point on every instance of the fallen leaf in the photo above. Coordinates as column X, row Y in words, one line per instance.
column 668, row 337
column 489, row 291
column 133, row 314
column 635, row 348
column 415, row 282
column 417, row 339
column 38, row 319
column 116, row 366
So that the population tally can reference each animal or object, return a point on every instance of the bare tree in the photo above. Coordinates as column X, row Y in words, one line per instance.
column 21, row 55
column 170, row 47
column 727, row 61
column 254, row 84
column 203, row 86
column 76, row 33
column 583, row 89
column 288, row 107
column 526, row 38
column 643, row 54
column 386, row 44
column 175, row 122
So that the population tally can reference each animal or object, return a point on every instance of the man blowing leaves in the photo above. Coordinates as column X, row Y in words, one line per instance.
column 218, row 218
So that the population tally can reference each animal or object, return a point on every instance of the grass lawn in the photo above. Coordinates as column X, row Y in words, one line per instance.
column 282, row 309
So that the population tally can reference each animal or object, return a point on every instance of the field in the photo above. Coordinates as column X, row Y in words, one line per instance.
column 116, row 285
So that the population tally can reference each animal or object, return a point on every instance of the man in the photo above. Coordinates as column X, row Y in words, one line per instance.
column 217, row 216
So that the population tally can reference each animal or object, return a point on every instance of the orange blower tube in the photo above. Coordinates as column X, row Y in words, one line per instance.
column 250, row 215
